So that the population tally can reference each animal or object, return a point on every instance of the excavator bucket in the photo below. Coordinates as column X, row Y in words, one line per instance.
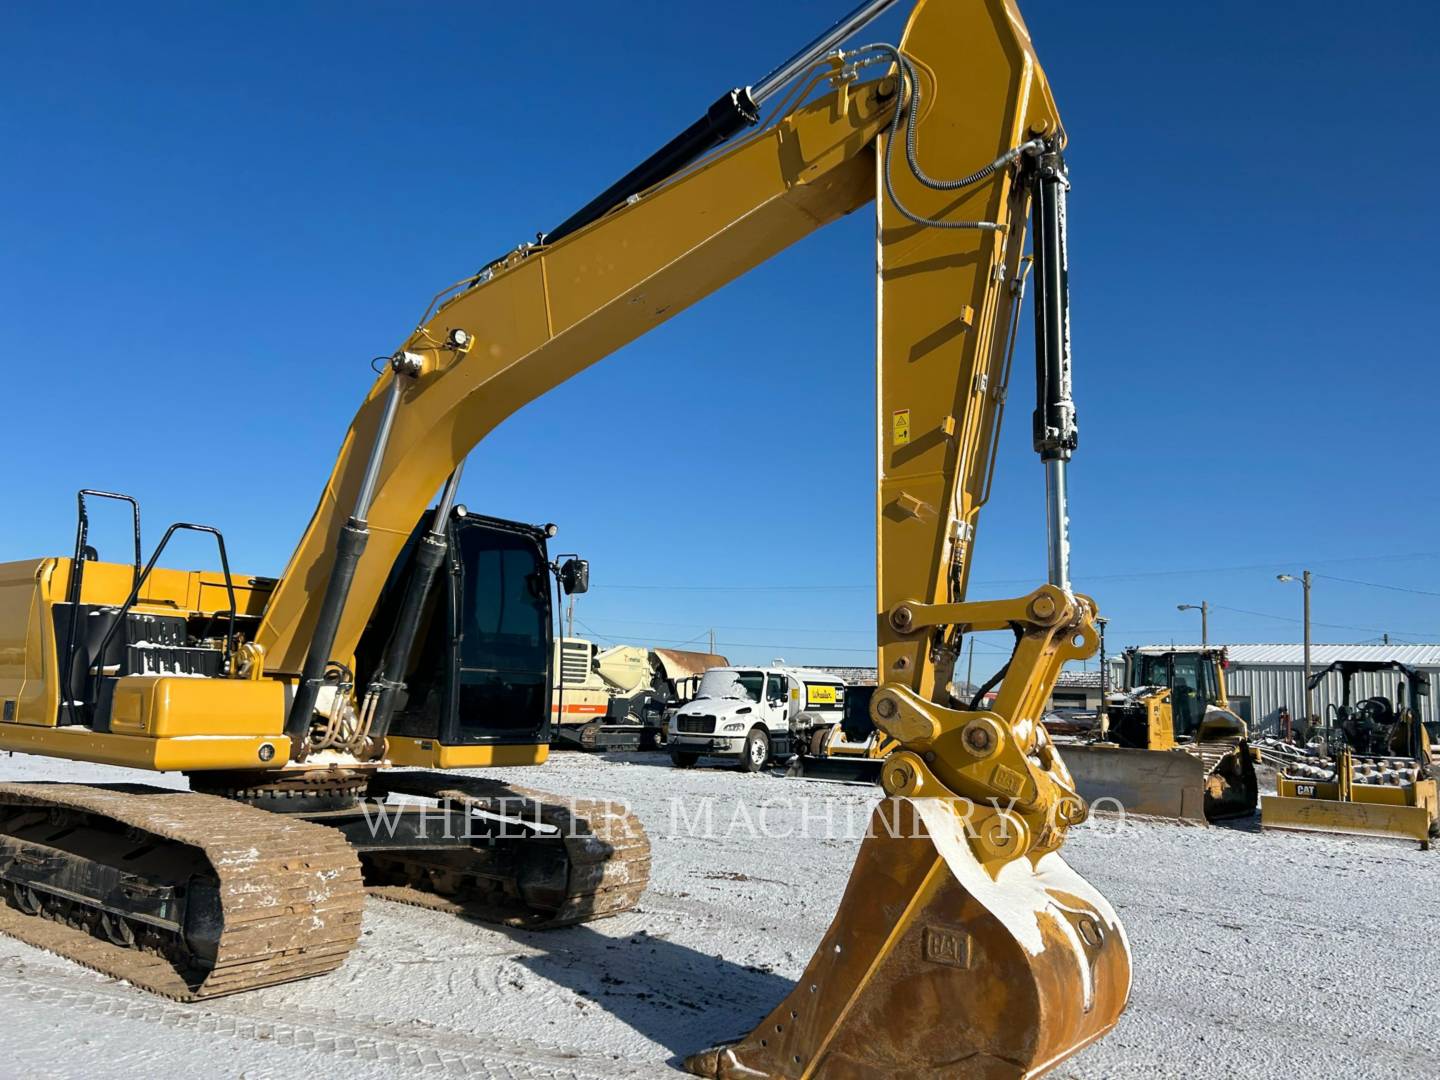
column 1161, row 783
column 934, row 968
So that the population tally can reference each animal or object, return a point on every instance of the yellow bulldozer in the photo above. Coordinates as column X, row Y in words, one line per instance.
column 1377, row 775
column 405, row 635
column 1168, row 743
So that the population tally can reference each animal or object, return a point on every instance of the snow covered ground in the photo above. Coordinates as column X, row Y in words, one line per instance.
column 1257, row 955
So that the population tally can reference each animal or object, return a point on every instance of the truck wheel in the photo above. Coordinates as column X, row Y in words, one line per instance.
column 756, row 752
column 649, row 739
column 683, row 759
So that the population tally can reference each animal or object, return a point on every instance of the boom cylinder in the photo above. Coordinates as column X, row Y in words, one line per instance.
column 388, row 682
column 354, row 535
column 1055, row 430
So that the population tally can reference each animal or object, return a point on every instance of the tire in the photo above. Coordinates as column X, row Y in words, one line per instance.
column 756, row 752
column 650, row 739
column 683, row 759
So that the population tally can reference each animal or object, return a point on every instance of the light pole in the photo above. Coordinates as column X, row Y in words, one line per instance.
column 1101, row 622
column 1204, row 609
column 1304, row 580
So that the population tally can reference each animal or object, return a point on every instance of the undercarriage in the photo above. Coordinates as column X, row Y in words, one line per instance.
column 194, row 896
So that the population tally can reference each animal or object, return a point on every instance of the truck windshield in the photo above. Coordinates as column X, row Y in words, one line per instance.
column 728, row 683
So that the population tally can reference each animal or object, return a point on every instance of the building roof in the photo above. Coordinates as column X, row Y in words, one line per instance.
column 1079, row 679
column 1292, row 655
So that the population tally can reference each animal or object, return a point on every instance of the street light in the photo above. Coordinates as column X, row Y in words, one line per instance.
column 1204, row 609
column 1304, row 580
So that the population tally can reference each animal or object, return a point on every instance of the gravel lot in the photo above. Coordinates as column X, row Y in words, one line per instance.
column 1257, row 955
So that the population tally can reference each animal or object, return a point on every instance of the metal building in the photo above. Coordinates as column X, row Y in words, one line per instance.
column 1262, row 679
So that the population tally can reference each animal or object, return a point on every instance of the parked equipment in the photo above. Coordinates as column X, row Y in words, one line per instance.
column 619, row 698
column 753, row 715
column 1377, row 775
column 964, row 944
column 1171, row 745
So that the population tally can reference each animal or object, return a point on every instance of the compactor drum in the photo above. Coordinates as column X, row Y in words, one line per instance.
column 1376, row 775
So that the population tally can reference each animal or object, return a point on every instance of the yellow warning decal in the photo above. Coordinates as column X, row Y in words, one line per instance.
column 901, row 426
column 819, row 694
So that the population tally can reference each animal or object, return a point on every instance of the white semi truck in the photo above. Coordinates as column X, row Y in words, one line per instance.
column 754, row 715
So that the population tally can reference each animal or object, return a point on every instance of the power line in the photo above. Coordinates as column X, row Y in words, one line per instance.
column 1117, row 576
column 763, row 629
column 1327, row 626
column 1378, row 585
column 792, row 645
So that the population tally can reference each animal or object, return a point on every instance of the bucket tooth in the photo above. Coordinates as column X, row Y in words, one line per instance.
column 935, row 968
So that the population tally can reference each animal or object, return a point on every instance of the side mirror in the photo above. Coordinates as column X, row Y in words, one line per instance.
column 575, row 576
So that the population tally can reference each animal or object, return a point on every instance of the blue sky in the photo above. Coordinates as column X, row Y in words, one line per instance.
column 217, row 215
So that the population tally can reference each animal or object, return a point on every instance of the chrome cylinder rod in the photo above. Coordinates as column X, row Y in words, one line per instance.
column 1057, row 521
column 822, row 46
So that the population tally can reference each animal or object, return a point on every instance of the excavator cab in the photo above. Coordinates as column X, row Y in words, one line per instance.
column 480, row 671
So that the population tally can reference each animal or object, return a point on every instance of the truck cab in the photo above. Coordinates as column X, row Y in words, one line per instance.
column 753, row 715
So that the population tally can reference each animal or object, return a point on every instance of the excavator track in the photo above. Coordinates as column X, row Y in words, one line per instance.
column 217, row 897
column 539, row 861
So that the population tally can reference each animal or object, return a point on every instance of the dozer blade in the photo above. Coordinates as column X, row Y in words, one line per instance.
column 839, row 769
column 932, row 968
column 1163, row 783
column 1350, row 818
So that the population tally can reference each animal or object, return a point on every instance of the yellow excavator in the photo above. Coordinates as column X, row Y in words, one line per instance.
column 964, row 945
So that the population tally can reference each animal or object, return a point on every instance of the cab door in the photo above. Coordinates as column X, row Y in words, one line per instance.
column 777, row 702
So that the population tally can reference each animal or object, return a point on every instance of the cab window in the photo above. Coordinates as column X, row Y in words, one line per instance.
column 777, row 689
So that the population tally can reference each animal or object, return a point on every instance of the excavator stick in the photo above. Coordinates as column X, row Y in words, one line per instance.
column 1018, row 972
column 1158, row 783
column 964, row 945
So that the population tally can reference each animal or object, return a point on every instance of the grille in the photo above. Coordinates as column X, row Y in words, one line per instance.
column 695, row 725
column 574, row 662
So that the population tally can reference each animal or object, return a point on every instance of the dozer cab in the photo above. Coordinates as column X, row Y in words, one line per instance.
column 1375, row 775
column 1169, row 744
column 964, row 944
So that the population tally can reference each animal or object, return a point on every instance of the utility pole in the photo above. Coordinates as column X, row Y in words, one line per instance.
column 1204, row 608
column 712, row 641
column 1101, row 622
column 570, row 617
column 1309, row 694
column 970, row 671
